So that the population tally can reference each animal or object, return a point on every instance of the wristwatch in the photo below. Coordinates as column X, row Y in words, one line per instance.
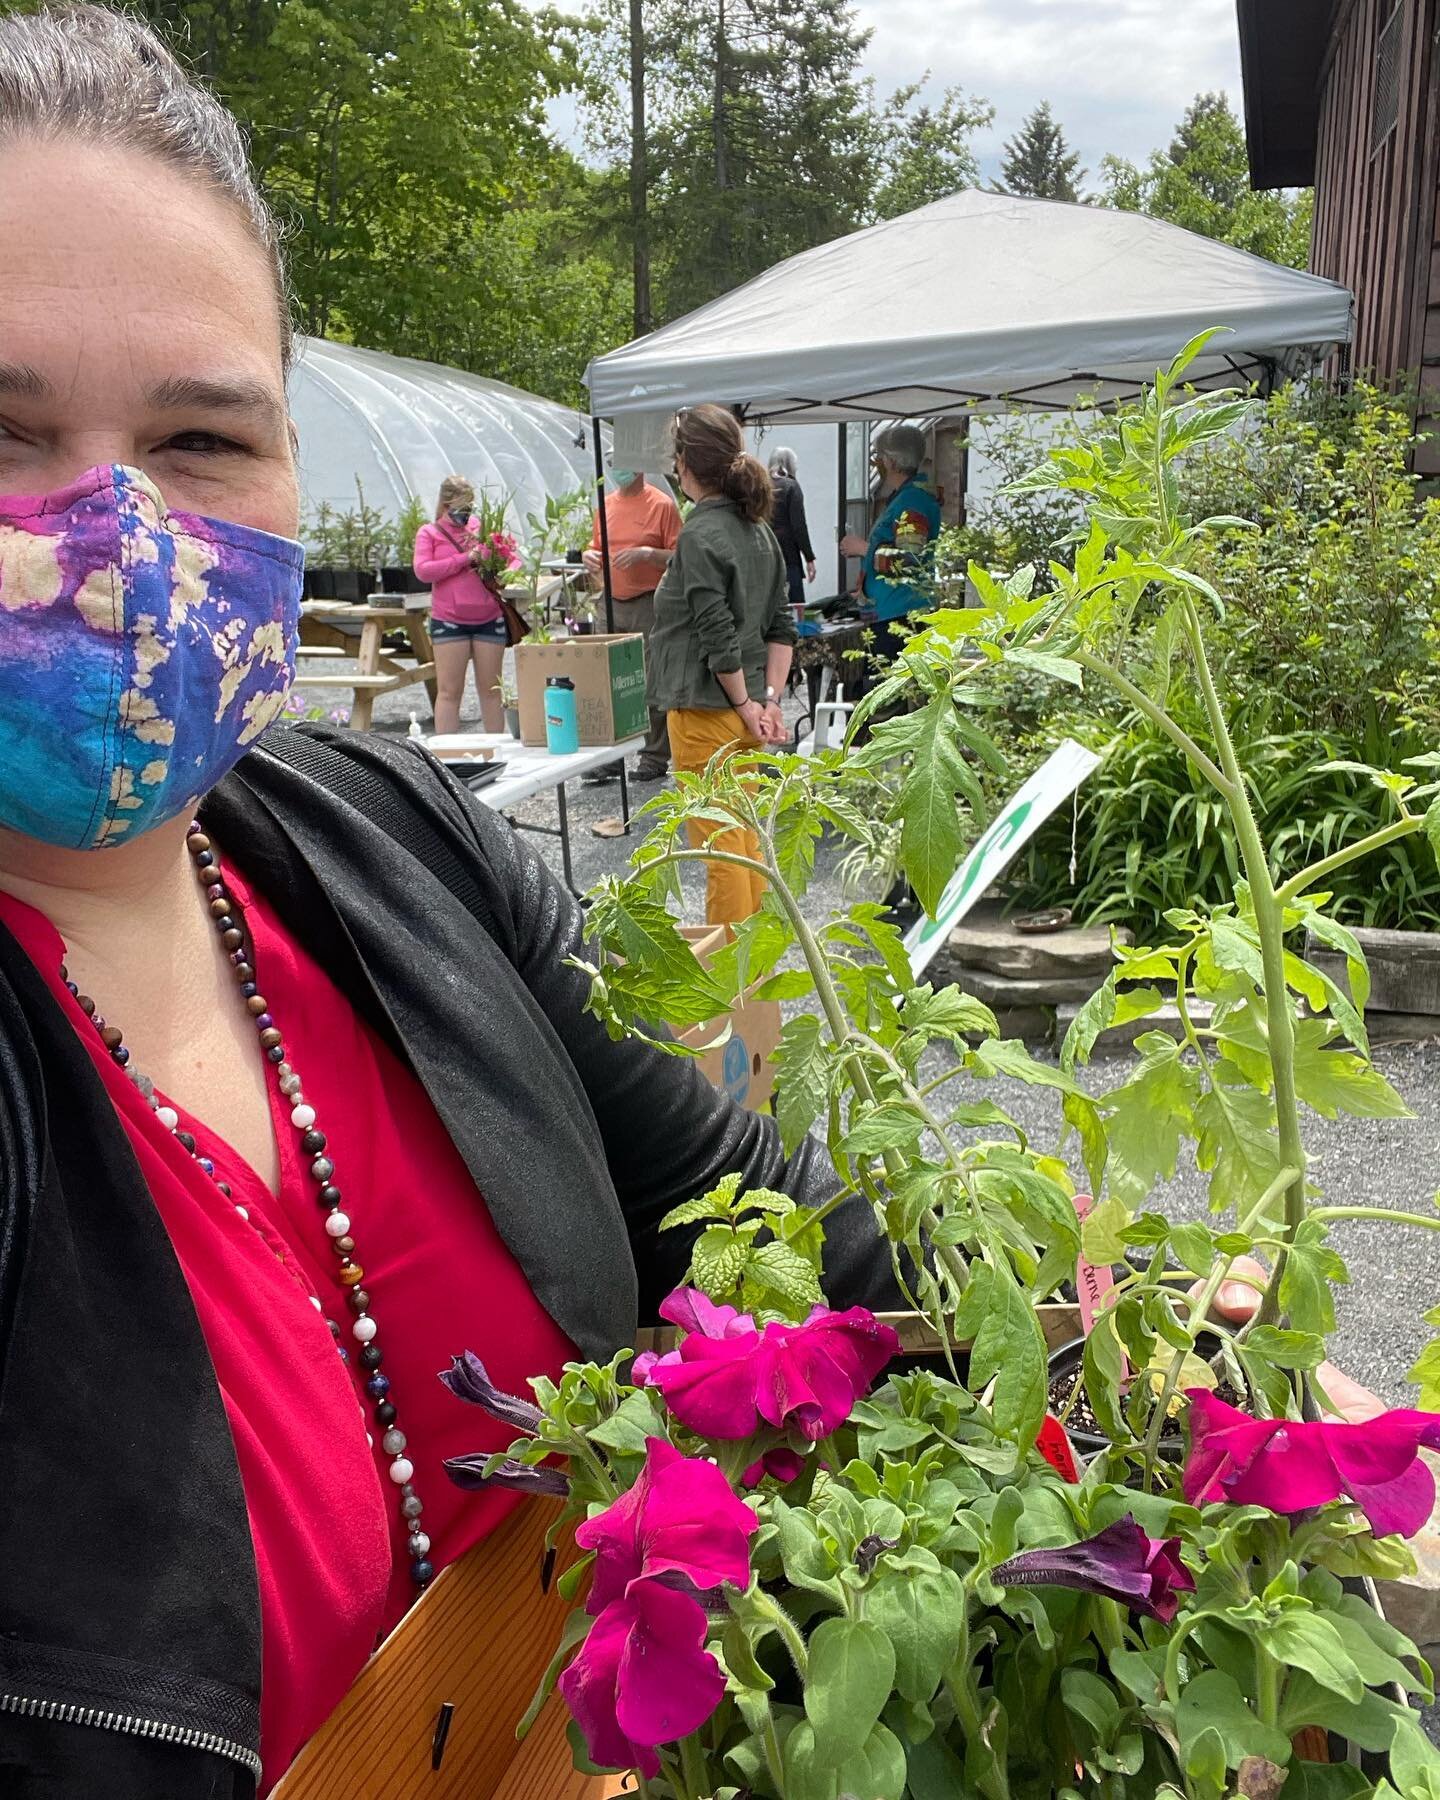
column 771, row 696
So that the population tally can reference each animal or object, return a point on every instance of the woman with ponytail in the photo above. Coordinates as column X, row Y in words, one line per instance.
column 723, row 638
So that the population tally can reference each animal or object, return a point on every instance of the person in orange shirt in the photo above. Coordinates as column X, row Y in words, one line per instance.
column 643, row 524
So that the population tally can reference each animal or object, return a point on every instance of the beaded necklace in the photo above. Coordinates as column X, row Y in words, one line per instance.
column 228, row 919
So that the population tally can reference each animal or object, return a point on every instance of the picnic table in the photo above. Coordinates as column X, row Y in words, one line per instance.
column 336, row 630
column 530, row 769
column 822, row 657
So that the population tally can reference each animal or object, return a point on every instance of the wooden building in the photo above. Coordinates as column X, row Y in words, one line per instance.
column 1345, row 95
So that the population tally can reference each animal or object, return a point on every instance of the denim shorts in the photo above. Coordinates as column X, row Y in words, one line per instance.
column 446, row 631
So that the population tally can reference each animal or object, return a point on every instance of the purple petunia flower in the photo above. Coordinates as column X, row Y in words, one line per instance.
column 1121, row 1563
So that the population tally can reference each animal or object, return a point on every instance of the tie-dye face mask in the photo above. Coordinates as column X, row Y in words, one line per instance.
column 141, row 653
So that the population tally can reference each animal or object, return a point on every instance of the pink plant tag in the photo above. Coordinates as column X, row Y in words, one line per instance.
column 1094, row 1284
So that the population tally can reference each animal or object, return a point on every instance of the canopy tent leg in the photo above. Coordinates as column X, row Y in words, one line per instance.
column 604, row 524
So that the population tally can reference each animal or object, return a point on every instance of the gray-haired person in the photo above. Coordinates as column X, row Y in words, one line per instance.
column 789, row 524
column 906, row 529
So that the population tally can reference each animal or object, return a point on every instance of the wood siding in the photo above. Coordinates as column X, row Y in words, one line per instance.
column 1377, row 205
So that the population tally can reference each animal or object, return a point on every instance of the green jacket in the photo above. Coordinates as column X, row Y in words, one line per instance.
column 722, row 600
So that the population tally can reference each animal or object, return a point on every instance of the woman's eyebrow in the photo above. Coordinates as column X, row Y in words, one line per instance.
column 22, row 382
column 177, row 392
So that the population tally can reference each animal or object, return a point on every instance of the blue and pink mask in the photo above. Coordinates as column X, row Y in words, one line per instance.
column 142, row 652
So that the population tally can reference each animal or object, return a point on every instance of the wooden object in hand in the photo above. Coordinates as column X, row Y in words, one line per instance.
column 479, row 1641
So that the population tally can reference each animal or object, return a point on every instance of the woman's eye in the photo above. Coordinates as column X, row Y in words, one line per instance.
column 204, row 443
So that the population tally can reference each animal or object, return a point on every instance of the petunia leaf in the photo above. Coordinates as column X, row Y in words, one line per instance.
column 1306, row 1640
column 852, row 1672
column 1213, row 1702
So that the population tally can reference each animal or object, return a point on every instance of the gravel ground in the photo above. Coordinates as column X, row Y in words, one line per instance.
column 1395, row 1274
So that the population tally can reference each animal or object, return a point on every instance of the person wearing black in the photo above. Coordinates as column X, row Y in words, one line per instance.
column 153, row 836
column 789, row 524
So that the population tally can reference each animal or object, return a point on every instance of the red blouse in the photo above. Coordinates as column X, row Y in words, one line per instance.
column 324, row 1516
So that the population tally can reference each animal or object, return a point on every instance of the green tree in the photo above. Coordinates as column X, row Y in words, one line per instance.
column 405, row 147
column 1038, row 161
column 1203, row 183
column 927, row 150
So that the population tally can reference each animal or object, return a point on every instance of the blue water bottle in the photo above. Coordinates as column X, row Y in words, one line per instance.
column 562, row 727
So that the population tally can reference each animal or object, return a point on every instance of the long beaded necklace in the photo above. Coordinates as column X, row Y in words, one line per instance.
column 227, row 916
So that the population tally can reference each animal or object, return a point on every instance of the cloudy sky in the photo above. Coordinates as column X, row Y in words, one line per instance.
column 1118, row 73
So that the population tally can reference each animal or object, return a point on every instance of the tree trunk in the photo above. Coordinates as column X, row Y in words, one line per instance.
column 639, row 173
column 722, row 175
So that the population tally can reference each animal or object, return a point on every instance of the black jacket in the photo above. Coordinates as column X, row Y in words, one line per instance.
column 789, row 523
column 129, row 1612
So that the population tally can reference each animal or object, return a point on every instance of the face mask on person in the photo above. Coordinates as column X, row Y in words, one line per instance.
column 141, row 653
column 622, row 477
column 459, row 515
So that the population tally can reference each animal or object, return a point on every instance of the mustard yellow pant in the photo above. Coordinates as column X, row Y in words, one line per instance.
column 696, row 734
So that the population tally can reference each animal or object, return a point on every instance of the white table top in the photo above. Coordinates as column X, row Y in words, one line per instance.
column 530, row 769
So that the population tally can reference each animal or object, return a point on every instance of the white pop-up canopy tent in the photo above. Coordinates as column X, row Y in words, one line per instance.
column 976, row 303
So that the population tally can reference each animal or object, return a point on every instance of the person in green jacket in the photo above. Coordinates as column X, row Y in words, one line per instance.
column 720, row 650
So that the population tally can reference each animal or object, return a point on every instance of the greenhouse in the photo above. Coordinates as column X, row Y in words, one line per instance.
column 397, row 427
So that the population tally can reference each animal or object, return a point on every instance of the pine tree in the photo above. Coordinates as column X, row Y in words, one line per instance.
column 1038, row 162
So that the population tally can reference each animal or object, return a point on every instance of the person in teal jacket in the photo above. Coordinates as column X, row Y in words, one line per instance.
column 903, row 537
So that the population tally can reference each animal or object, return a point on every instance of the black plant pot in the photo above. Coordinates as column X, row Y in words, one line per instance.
column 412, row 583
column 347, row 585
column 584, row 627
column 320, row 584
column 1068, row 1357
column 394, row 578
column 574, row 557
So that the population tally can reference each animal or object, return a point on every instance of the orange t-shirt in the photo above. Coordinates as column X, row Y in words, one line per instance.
column 647, row 516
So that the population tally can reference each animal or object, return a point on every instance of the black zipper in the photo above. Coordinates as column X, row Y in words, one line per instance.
column 188, row 1736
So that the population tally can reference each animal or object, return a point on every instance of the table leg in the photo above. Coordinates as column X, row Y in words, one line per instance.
column 565, row 840
column 423, row 650
column 624, row 798
column 361, row 706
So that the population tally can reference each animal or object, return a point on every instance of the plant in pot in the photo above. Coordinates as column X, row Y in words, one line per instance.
column 321, row 549
column 810, row 1579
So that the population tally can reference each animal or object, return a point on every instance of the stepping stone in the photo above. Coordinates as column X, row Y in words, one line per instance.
column 1070, row 954
column 1120, row 1038
column 1003, row 990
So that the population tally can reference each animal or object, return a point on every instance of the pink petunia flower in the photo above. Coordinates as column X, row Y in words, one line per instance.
column 730, row 1380
column 1121, row 1563
column 1288, row 1465
column 679, row 1521
column 643, row 1677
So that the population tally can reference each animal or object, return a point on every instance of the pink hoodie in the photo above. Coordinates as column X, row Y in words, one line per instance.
column 442, row 559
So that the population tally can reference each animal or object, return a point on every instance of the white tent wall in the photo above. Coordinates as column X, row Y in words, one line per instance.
column 399, row 427
column 817, row 451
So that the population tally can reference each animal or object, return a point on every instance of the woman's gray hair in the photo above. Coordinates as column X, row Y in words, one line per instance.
column 83, row 73
column 782, row 462
column 903, row 445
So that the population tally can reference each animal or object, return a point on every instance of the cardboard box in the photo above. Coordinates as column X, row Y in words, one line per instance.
column 741, row 1065
column 608, row 670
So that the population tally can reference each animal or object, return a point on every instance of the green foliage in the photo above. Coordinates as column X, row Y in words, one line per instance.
column 885, row 1644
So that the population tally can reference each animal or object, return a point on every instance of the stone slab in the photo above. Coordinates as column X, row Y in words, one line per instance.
column 1033, row 1024
column 995, row 945
column 1120, row 1038
column 1404, row 969
column 1006, row 990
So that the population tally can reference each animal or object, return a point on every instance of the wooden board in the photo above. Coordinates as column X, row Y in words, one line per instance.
column 480, row 1641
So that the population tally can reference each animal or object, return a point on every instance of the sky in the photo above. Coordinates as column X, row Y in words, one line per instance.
column 1118, row 73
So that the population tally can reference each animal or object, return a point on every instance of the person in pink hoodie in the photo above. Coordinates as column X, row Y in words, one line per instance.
column 467, row 625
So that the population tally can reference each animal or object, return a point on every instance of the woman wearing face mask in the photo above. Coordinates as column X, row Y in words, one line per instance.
column 723, row 638
column 297, row 1093
column 467, row 624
